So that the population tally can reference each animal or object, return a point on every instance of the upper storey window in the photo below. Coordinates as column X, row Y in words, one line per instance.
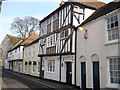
column 55, row 16
column 112, row 27
column 49, row 25
column 53, row 23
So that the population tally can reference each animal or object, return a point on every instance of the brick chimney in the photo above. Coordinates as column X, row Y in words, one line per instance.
column 26, row 34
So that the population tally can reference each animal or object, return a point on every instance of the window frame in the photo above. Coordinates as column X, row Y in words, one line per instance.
column 112, row 29
column 110, row 83
column 51, row 40
column 51, row 66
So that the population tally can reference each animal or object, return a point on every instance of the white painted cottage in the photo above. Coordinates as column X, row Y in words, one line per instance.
column 98, row 57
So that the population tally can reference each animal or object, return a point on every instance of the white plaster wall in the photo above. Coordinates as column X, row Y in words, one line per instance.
column 51, row 75
column 32, row 57
column 95, row 44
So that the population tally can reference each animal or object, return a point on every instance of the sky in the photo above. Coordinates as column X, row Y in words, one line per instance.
column 22, row 8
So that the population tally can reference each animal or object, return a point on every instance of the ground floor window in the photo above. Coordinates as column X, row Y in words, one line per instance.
column 51, row 65
column 114, row 69
column 33, row 68
column 38, row 67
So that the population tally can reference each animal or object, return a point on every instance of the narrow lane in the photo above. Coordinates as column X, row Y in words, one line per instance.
column 11, row 80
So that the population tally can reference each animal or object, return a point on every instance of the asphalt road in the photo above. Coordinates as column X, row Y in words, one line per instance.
column 13, row 82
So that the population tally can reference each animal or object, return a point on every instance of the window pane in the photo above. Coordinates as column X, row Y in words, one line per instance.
column 108, row 26
column 115, row 18
column 108, row 20
column 112, row 25
column 112, row 81
column 111, row 73
column 112, row 19
column 116, row 23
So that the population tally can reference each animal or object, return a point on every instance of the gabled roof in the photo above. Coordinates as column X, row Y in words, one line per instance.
column 30, row 39
column 14, row 40
column 102, row 11
column 66, row 4
column 27, row 41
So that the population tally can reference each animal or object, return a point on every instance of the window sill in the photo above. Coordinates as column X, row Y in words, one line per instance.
column 113, row 86
column 50, row 72
column 112, row 42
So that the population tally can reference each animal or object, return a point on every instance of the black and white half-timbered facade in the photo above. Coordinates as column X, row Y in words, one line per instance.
column 57, row 49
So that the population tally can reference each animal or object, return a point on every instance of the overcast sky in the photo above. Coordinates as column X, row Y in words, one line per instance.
column 21, row 8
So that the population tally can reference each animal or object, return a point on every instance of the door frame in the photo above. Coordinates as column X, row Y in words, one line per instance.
column 67, row 81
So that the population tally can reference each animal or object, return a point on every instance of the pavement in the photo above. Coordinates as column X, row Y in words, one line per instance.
column 46, row 83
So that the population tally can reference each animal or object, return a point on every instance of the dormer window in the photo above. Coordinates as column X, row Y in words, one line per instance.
column 112, row 27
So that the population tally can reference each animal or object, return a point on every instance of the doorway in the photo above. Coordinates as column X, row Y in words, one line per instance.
column 96, row 81
column 69, row 73
column 83, row 75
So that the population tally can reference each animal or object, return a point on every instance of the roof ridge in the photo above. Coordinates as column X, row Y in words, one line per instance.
column 14, row 36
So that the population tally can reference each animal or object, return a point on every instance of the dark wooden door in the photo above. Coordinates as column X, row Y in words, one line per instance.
column 83, row 75
column 96, row 81
column 69, row 73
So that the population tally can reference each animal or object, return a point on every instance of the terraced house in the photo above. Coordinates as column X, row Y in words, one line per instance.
column 15, row 55
column 59, row 38
column 31, row 61
column 98, row 57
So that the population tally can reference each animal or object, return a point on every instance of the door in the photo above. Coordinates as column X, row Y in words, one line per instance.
column 69, row 73
column 83, row 75
column 96, row 82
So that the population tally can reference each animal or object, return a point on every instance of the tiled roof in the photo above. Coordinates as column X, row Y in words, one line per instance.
column 93, row 3
column 27, row 41
column 30, row 39
column 102, row 11
column 14, row 40
column 64, row 5
column 97, row 4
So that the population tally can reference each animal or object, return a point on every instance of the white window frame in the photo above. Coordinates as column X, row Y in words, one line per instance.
column 33, row 68
column 51, row 40
column 113, row 37
column 51, row 65
column 38, row 67
column 113, row 67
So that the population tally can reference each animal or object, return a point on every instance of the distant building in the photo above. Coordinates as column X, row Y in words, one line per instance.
column 15, row 55
column 8, row 42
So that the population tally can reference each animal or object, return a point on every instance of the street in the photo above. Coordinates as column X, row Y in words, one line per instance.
column 13, row 81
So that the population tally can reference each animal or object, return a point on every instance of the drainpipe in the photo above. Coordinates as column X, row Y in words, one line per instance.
column 75, row 53
column 60, row 69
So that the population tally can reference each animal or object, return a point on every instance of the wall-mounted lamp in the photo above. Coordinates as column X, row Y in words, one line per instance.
column 83, row 29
